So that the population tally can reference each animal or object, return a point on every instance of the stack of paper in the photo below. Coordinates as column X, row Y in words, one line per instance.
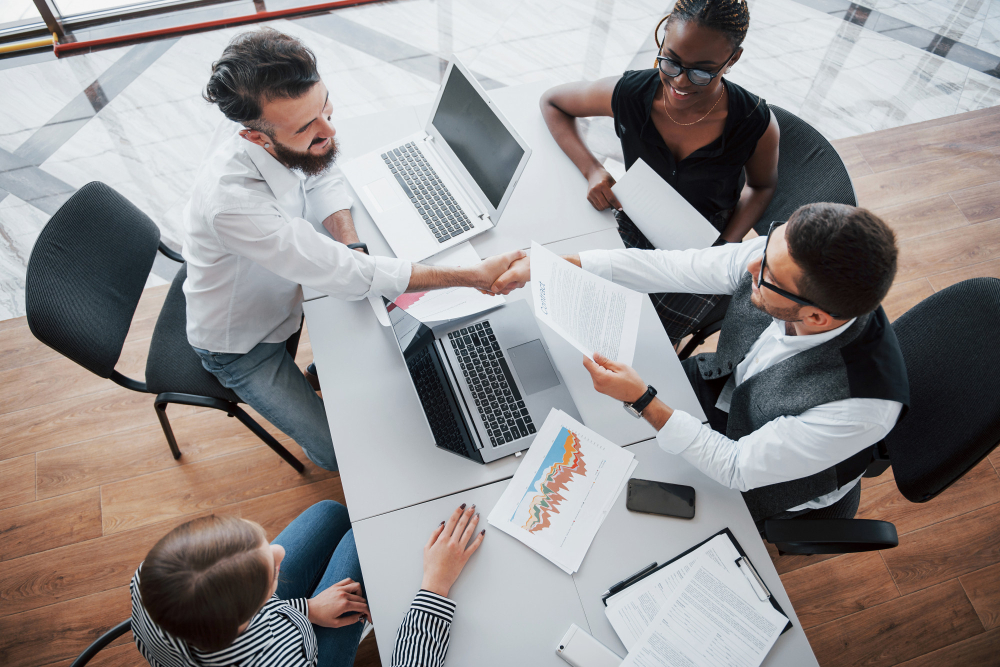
column 701, row 610
column 562, row 491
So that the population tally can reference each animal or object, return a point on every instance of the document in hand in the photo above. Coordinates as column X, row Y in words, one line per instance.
column 592, row 313
column 660, row 212
column 562, row 491
column 707, row 614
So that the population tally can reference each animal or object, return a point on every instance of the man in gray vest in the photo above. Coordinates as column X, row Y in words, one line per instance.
column 808, row 374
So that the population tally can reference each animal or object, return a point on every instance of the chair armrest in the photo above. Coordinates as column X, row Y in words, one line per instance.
column 170, row 254
column 829, row 536
column 102, row 641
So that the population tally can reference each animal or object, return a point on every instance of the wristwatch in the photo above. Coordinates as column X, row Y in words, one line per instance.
column 635, row 409
column 355, row 246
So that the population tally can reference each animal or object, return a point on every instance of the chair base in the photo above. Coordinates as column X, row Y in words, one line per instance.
column 102, row 641
column 231, row 410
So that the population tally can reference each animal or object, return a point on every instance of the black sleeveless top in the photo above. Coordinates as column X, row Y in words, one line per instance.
column 711, row 178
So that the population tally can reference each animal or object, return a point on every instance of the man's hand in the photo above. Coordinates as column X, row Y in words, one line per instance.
column 515, row 277
column 328, row 608
column 446, row 552
column 599, row 192
column 491, row 269
column 614, row 379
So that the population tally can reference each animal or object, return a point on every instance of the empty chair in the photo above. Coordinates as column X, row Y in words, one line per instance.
column 84, row 279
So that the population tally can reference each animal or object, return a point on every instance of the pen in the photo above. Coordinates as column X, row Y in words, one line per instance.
column 740, row 562
column 627, row 581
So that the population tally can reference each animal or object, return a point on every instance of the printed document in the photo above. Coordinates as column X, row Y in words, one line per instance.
column 592, row 313
column 660, row 212
column 633, row 609
column 564, row 488
column 451, row 303
column 707, row 622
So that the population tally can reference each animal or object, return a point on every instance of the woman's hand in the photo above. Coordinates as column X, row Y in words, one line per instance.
column 599, row 192
column 446, row 552
column 328, row 609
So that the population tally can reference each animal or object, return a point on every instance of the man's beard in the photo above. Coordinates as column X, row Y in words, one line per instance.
column 308, row 163
column 783, row 314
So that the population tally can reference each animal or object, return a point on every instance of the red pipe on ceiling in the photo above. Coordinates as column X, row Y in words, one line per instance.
column 61, row 48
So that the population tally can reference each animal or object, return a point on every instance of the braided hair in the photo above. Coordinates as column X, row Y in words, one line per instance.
column 730, row 17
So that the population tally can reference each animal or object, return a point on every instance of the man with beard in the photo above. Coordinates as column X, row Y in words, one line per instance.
column 267, row 178
column 808, row 374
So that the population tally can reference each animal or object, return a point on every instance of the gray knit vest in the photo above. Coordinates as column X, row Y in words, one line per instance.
column 808, row 379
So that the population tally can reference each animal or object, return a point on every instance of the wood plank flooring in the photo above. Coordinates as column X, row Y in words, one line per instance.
column 87, row 483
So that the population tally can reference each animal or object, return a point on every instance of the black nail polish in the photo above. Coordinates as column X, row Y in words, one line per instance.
column 482, row 532
column 462, row 507
column 477, row 516
column 442, row 523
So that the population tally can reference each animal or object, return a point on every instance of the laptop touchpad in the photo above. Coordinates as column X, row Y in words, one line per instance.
column 384, row 195
column 532, row 367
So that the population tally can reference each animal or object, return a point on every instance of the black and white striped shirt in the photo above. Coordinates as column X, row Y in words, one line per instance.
column 280, row 635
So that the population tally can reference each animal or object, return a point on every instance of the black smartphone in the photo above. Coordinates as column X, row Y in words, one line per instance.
column 660, row 498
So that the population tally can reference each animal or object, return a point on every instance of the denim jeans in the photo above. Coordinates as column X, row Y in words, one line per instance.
column 319, row 552
column 267, row 379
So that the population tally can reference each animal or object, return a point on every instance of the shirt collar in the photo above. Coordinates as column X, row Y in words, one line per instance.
column 278, row 177
column 807, row 342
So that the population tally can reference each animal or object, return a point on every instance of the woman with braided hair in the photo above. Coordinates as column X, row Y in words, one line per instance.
column 713, row 141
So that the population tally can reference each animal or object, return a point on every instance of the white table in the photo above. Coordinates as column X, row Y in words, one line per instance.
column 385, row 449
column 514, row 606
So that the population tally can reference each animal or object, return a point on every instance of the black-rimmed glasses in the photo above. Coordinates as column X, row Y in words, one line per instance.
column 699, row 77
column 761, row 283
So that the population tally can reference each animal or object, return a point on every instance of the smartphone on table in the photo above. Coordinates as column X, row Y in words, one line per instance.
column 660, row 498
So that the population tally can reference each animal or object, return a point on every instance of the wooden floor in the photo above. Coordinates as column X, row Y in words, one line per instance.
column 87, row 484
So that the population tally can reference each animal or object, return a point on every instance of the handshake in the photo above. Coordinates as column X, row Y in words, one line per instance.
column 500, row 274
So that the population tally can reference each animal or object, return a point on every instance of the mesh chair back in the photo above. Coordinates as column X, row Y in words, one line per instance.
column 809, row 171
column 951, row 344
column 85, row 276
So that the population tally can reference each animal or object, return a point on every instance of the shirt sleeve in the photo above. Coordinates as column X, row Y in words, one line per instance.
column 300, row 605
column 423, row 636
column 326, row 194
column 293, row 249
column 783, row 449
column 715, row 270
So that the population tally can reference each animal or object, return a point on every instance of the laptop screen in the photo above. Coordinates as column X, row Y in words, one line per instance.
column 438, row 400
column 474, row 133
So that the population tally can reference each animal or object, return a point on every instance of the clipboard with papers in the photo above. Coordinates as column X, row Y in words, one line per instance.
column 743, row 563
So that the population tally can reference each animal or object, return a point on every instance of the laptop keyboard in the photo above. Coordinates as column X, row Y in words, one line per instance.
column 439, row 414
column 492, row 384
column 427, row 193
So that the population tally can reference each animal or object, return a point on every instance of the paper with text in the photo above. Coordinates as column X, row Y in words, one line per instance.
column 706, row 622
column 632, row 610
column 591, row 313
column 660, row 212
column 450, row 303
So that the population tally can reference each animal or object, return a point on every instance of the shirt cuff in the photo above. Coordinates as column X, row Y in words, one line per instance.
column 597, row 262
column 391, row 278
column 679, row 432
column 434, row 604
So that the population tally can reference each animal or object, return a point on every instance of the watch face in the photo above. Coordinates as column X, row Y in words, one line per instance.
column 632, row 411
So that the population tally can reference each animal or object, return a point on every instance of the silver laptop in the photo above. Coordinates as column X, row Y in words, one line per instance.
column 440, row 187
column 485, row 383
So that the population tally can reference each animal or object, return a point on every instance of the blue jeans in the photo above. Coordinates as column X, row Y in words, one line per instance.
column 319, row 552
column 267, row 379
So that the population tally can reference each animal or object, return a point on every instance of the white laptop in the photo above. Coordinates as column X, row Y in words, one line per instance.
column 440, row 187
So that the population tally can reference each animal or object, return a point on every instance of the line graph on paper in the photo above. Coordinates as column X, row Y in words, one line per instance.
column 558, row 489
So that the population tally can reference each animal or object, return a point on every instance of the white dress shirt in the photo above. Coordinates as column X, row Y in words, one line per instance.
column 785, row 448
column 252, row 241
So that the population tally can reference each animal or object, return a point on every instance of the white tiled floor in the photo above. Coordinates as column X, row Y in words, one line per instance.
column 147, row 141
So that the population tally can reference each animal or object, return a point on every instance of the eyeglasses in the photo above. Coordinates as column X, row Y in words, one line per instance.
column 761, row 283
column 699, row 77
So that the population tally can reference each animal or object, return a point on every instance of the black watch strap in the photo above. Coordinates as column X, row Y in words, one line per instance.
column 355, row 246
column 645, row 399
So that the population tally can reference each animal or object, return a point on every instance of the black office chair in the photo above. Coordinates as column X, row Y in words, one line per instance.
column 84, row 279
column 809, row 170
column 951, row 344
column 102, row 642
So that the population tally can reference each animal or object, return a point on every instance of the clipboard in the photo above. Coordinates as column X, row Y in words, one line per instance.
column 743, row 555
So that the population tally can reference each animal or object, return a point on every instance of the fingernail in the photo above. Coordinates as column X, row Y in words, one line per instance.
column 482, row 532
column 462, row 506
column 477, row 516
column 473, row 507
column 442, row 523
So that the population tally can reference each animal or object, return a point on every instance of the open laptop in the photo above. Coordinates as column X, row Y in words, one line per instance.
column 485, row 383
column 440, row 187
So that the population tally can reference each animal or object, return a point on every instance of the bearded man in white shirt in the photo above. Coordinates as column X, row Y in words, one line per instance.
column 267, row 182
column 808, row 376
